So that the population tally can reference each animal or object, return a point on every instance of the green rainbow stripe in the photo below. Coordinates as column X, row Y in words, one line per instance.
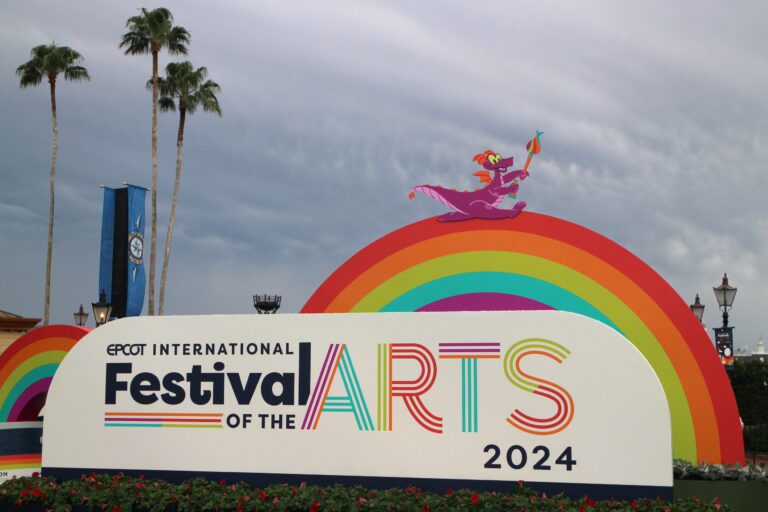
column 469, row 394
column 383, row 386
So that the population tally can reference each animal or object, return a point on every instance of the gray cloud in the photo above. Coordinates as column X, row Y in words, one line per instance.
column 654, row 116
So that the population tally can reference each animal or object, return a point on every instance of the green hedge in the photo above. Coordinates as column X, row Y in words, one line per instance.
column 684, row 470
column 118, row 493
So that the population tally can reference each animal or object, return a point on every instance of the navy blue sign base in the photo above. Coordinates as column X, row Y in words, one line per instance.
column 440, row 485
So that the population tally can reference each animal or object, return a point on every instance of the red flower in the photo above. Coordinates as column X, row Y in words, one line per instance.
column 425, row 508
column 262, row 495
column 361, row 502
column 222, row 482
column 36, row 491
column 633, row 504
column 315, row 507
column 372, row 494
column 303, row 484
column 35, row 474
column 449, row 492
column 24, row 493
column 19, row 502
column 116, row 508
column 717, row 503
column 276, row 500
column 474, row 498
column 589, row 502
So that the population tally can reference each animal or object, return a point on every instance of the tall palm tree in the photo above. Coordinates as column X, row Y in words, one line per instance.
column 186, row 89
column 49, row 61
column 149, row 32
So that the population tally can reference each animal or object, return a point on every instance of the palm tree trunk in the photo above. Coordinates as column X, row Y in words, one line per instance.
column 174, row 201
column 54, row 150
column 153, row 241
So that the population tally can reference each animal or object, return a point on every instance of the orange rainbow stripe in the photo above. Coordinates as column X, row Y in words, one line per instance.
column 543, row 262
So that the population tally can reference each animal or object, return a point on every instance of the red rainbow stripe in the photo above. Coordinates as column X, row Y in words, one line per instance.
column 629, row 293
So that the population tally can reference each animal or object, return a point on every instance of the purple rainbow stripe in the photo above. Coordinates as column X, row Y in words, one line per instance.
column 469, row 350
column 159, row 419
column 38, row 388
column 485, row 302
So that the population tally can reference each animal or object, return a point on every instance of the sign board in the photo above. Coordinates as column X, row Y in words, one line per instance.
column 439, row 400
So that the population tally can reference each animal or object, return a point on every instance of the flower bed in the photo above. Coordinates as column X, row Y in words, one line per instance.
column 118, row 493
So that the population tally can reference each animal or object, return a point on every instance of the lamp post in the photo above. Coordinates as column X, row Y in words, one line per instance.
column 102, row 309
column 698, row 308
column 80, row 317
column 267, row 304
column 725, row 293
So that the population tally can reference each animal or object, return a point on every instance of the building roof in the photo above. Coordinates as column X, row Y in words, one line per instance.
column 13, row 322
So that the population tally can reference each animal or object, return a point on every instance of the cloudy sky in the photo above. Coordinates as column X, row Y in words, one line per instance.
column 655, row 119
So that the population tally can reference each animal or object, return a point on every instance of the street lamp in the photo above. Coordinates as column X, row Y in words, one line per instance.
column 81, row 317
column 102, row 309
column 725, row 294
column 267, row 304
column 698, row 308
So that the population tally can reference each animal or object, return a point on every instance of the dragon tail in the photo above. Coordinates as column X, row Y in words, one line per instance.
column 432, row 192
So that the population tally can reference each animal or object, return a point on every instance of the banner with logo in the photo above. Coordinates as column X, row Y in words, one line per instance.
column 439, row 400
column 724, row 346
column 134, row 300
column 121, row 264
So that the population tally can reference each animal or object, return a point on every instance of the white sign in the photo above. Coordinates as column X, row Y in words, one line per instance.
column 440, row 400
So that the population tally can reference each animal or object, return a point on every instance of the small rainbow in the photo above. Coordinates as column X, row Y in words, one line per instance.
column 162, row 420
column 540, row 262
column 22, row 461
column 27, row 367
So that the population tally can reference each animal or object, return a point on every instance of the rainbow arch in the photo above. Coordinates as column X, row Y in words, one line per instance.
column 540, row 262
column 27, row 367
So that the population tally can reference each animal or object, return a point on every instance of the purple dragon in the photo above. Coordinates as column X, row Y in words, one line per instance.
column 481, row 203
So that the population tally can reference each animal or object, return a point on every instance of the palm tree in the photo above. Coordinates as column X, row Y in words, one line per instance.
column 149, row 32
column 49, row 61
column 185, row 88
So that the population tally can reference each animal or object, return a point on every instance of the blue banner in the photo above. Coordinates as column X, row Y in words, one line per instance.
column 107, row 243
column 136, row 277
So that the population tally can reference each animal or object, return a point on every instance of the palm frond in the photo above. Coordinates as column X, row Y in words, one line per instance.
column 135, row 42
column 178, row 39
column 76, row 73
column 166, row 104
column 30, row 74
